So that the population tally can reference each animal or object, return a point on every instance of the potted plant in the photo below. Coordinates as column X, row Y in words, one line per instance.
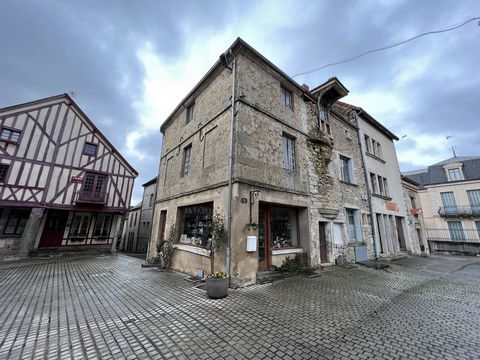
column 217, row 285
column 165, row 249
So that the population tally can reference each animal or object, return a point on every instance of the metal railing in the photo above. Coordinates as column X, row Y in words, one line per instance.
column 459, row 211
column 461, row 235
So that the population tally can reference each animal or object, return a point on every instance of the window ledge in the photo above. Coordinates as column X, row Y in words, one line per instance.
column 348, row 183
column 9, row 141
column 192, row 249
column 382, row 197
column 375, row 157
column 287, row 251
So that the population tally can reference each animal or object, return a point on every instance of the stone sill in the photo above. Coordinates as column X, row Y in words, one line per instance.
column 192, row 249
column 375, row 157
column 287, row 251
column 348, row 183
column 388, row 198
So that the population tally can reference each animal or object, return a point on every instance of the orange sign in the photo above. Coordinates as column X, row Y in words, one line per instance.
column 391, row 206
column 416, row 211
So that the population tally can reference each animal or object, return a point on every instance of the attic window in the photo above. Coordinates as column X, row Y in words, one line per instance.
column 190, row 113
column 454, row 174
column 10, row 135
column 287, row 98
column 90, row 149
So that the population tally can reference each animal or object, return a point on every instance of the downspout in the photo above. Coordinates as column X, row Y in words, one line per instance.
column 230, row 173
column 369, row 192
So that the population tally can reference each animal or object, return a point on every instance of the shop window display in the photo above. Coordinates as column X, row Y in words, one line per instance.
column 197, row 223
column 284, row 227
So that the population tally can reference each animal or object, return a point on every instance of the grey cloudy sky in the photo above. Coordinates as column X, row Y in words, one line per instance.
column 130, row 62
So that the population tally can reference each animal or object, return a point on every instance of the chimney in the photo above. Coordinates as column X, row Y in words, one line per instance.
column 305, row 87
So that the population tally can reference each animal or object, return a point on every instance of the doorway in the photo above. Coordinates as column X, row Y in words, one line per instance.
column 54, row 228
column 263, row 240
column 323, row 242
column 401, row 234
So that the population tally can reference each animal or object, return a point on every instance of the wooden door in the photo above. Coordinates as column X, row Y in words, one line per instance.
column 54, row 228
column 263, row 240
column 323, row 242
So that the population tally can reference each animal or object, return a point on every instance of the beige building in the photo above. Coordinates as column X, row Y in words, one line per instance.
column 274, row 159
column 385, row 194
column 450, row 198
column 62, row 183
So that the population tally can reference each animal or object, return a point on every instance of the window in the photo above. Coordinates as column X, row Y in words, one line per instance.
column 367, row 144
column 283, row 225
column 187, row 153
column 79, row 227
column 412, row 200
column 353, row 224
column 197, row 221
column 454, row 174
column 16, row 222
column 90, row 149
column 474, row 200
column 94, row 184
column 378, row 150
column 135, row 219
column 287, row 98
column 346, row 169
column 449, row 203
column 347, row 134
column 10, row 135
column 191, row 113
column 288, row 153
column 324, row 121
column 373, row 181
column 102, row 225
column 150, row 201
column 456, row 230
column 477, row 225
column 3, row 173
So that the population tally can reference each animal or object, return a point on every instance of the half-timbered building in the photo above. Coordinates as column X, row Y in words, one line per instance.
column 62, row 183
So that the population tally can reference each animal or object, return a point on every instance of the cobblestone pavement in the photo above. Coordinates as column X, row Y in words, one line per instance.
column 109, row 307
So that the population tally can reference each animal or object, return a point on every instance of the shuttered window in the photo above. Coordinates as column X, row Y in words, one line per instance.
column 474, row 200
column 456, row 230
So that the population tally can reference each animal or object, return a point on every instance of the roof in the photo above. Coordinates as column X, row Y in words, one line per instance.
column 68, row 99
column 238, row 44
column 136, row 207
column 435, row 174
column 368, row 118
column 150, row 182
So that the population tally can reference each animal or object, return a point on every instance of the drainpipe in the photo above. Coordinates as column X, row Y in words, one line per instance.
column 369, row 192
column 230, row 173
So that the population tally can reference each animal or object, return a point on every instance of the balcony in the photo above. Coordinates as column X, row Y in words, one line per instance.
column 462, row 235
column 89, row 197
column 459, row 211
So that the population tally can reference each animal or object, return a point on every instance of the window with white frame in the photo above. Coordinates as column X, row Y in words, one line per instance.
column 102, row 225
column 456, row 230
column 368, row 146
column 353, row 224
column 287, row 98
column 474, row 200
column 288, row 144
column 79, row 228
column 454, row 174
column 346, row 169
column 187, row 154
column 197, row 224
column 449, row 203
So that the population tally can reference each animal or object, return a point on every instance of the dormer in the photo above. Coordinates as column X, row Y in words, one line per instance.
column 454, row 171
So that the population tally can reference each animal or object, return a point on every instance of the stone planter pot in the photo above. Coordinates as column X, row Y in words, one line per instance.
column 217, row 288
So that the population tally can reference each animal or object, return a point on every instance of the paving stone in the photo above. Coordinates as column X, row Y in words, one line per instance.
column 109, row 307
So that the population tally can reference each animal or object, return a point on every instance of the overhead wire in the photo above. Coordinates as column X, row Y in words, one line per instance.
column 452, row 27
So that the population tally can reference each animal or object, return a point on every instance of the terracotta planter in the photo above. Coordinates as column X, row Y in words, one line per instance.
column 217, row 288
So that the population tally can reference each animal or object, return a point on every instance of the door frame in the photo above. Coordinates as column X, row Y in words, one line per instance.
column 43, row 243
column 324, row 254
column 266, row 263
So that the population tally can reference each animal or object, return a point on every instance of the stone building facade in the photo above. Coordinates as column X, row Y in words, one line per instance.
column 295, row 170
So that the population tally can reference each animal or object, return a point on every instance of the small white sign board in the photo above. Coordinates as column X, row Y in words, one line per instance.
column 251, row 243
